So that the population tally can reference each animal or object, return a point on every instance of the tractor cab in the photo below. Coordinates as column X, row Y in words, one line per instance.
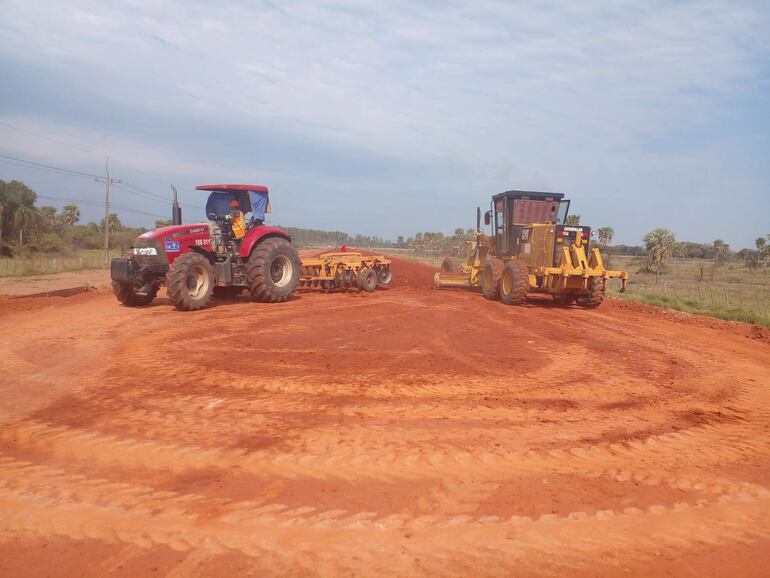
column 227, row 208
column 252, row 199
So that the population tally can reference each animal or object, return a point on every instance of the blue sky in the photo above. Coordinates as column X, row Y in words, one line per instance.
column 391, row 117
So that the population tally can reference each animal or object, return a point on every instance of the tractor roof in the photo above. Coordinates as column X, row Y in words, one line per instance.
column 231, row 188
column 534, row 195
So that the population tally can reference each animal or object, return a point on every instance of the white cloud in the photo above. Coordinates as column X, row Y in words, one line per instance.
column 511, row 91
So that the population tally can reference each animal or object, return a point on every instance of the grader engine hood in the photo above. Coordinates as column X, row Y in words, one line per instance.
column 177, row 239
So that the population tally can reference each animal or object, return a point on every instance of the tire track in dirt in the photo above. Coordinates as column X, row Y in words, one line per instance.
column 578, row 536
column 405, row 432
column 348, row 457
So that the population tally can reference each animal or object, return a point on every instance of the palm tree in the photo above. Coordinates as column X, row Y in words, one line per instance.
column 606, row 234
column 762, row 247
column 659, row 243
column 70, row 214
column 573, row 220
column 24, row 220
column 720, row 248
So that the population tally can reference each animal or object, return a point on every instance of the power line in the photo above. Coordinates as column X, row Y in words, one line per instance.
column 129, row 187
column 85, row 149
column 145, row 191
column 95, row 203
column 51, row 167
column 151, row 197
column 76, row 147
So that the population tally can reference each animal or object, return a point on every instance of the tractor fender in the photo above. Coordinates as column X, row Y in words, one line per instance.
column 200, row 250
column 257, row 235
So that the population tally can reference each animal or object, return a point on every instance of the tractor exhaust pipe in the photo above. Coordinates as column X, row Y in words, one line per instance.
column 176, row 210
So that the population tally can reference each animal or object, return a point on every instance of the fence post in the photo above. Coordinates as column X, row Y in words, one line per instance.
column 665, row 288
column 740, row 300
column 727, row 300
column 700, row 300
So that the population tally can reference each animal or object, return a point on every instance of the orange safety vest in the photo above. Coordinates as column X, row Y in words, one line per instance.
column 238, row 223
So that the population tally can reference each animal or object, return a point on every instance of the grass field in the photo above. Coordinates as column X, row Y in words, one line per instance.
column 44, row 264
column 727, row 291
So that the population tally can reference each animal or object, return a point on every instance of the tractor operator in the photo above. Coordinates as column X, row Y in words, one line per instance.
column 237, row 219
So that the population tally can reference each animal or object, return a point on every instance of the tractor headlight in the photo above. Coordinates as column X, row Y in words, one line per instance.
column 145, row 251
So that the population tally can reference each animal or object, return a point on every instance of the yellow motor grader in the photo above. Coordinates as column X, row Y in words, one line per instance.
column 532, row 249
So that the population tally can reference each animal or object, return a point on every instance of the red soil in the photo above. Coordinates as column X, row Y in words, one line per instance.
column 409, row 431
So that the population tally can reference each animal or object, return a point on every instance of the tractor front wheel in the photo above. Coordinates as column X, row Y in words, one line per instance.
column 490, row 279
column 273, row 270
column 595, row 294
column 190, row 282
column 514, row 283
column 129, row 296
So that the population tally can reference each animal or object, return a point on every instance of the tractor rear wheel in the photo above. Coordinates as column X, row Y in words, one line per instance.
column 450, row 265
column 273, row 270
column 490, row 279
column 514, row 283
column 595, row 294
column 129, row 296
column 367, row 279
column 190, row 282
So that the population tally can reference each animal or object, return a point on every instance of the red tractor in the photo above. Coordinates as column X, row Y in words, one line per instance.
column 221, row 257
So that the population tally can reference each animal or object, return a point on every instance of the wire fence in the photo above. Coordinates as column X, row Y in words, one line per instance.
column 45, row 265
column 709, row 296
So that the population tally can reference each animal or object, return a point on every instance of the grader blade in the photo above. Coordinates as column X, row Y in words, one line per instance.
column 450, row 280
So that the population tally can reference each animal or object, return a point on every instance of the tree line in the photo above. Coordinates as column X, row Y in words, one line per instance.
column 28, row 228
column 25, row 226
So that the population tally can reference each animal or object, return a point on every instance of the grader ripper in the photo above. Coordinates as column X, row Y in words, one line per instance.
column 531, row 250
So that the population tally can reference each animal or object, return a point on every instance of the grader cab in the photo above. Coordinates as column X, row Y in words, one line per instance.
column 532, row 249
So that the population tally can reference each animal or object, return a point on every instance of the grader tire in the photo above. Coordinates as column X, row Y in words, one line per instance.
column 490, row 279
column 450, row 265
column 514, row 283
column 563, row 299
column 190, row 282
column 367, row 279
column 272, row 271
column 595, row 294
column 129, row 296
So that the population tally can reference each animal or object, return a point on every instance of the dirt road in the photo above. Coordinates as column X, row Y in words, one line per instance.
column 403, row 432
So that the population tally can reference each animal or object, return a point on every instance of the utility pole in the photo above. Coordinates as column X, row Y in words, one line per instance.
column 107, row 182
